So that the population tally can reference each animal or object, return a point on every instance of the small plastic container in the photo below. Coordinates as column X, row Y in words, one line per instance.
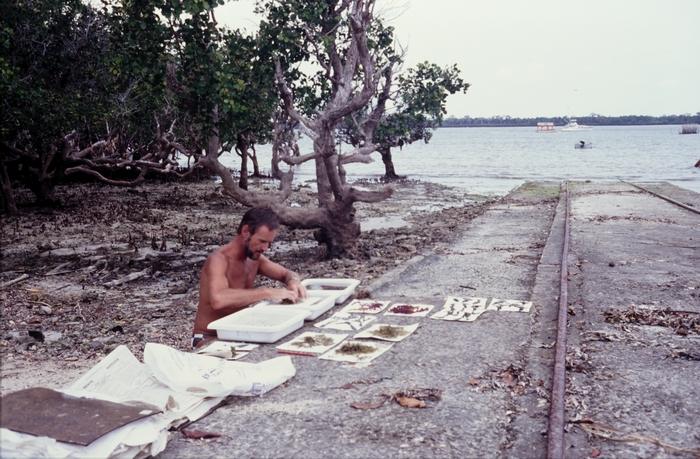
column 317, row 302
column 259, row 325
column 343, row 288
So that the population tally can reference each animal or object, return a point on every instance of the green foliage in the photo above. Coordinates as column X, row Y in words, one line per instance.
column 223, row 80
column 53, row 77
column 420, row 104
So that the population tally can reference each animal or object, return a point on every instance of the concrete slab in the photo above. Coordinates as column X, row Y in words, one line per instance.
column 626, row 248
column 631, row 248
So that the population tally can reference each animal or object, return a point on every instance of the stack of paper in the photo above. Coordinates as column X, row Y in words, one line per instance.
column 183, row 386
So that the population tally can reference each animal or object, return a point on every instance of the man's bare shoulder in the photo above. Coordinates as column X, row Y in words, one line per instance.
column 217, row 258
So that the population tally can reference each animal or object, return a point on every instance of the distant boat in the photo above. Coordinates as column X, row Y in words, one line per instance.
column 583, row 144
column 689, row 129
column 545, row 127
column 572, row 125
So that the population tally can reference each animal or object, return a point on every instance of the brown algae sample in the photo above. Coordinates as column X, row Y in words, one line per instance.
column 310, row 341
column 387, row 331
column 407, row 309
column 355, row 349
column 370, row 307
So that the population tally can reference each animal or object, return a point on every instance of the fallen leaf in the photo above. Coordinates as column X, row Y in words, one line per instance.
column 409, row 402
column 474, row 382
column 197, row 434
column 367, row 406
column 595, row 453
column 347, row 386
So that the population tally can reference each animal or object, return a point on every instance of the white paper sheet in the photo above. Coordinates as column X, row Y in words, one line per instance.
column 213, row 377
column 509, row 305
column 348, row 322
column 461, row 309
column 121, row 378
column 226, row 349
column 365, row 307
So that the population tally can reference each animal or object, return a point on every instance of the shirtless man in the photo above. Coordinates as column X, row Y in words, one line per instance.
column 228, row 276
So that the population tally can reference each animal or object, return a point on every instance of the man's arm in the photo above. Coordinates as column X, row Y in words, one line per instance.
column 223, row 297
column 275, row 271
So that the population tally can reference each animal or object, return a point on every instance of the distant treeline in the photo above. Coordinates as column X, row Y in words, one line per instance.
column 592, row 120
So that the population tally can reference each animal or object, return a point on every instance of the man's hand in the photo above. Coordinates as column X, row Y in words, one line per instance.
column 282, row 294
column 295, row 285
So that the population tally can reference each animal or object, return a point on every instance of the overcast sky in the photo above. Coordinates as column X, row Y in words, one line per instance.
column 550, row 57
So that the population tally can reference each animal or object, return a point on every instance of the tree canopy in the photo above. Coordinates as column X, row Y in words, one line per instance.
column 142, row 88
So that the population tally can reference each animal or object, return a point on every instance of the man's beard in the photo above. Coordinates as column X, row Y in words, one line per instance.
column 249, row 253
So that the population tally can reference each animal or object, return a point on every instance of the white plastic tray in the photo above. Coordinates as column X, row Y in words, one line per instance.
column 342, row 295
column 259, row 325
column 317, row 302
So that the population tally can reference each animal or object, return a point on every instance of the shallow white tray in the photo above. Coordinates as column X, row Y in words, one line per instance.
column 348, row 285
column 317, row 302
column 259, row 325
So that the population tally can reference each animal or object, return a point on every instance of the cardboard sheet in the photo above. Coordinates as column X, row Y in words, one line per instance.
column 45, row 412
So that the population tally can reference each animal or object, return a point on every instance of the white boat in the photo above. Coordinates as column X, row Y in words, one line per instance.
column 572, row 125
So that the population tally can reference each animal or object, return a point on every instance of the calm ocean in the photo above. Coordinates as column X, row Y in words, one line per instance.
column 496, row 160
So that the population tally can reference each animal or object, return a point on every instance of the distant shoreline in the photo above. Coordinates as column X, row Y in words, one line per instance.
column 590, row 120
column 562, row 125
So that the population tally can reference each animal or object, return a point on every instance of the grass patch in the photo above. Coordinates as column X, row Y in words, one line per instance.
column 544, row 189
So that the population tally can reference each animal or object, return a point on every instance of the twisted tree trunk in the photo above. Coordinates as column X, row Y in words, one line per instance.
column 389, row 171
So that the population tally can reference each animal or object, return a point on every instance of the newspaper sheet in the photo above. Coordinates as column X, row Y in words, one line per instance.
column 210, row 376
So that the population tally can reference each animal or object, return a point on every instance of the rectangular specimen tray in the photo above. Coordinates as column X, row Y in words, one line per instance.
column 260, row 325
column 343, row 288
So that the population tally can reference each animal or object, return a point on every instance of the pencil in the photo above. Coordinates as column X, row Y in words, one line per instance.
column 307, row 354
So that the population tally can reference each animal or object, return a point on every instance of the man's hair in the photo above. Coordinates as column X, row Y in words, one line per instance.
column 257, row 217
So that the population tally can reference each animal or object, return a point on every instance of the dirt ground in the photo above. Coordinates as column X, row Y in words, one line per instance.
column 75, row 304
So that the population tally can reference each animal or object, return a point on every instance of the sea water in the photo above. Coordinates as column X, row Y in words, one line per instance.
column 493, row 161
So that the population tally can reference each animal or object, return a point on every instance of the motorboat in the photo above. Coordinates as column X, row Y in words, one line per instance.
column 572, row 125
